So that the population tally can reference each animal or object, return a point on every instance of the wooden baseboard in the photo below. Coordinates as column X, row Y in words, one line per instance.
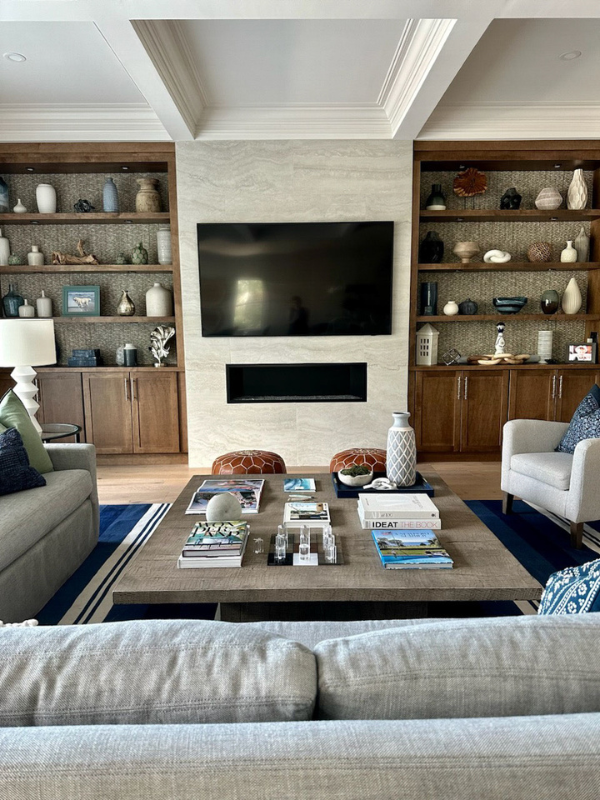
column 141, row 459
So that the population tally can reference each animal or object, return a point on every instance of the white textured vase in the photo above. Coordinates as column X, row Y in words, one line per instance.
column 159, row 301
column 582, row 245
column 578, row 194
column 223, row 507
column 4, row 250
column 45, row 196
column 549, row 199
column 163, row 244
column 572, row 299
column 401, row 462
column 569, row 254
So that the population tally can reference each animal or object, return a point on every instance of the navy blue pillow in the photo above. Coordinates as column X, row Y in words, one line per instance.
column 15, row 472
column 585, row 423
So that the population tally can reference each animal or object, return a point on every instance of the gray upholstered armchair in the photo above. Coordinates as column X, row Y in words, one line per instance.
column 567, row 485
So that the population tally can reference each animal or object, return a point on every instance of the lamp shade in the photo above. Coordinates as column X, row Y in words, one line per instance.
column 27, row 342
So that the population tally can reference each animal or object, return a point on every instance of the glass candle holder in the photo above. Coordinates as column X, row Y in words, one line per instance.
column 280, row 548
column 304, row 551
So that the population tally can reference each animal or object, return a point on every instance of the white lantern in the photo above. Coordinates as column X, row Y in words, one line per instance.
column 427, row 346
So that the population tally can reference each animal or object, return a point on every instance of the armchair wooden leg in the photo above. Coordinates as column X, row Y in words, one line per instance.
column 507, row 502
column 576, row 534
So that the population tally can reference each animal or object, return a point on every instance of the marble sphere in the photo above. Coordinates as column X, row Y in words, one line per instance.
column 223, row 507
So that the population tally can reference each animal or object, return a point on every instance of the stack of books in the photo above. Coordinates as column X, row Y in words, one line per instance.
column 248, row 492
column 398, row 512
column 410, row 550
column 214, row 544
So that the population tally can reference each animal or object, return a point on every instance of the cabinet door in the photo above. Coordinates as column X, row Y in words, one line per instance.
column 6, row 382
column 572, row 387
column 61, row 400
column 108, row 419
column 532, row 393
column 437, row 411
column 483, row 410
column 155, row 413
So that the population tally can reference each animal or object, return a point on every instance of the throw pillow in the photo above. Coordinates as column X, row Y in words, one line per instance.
column 13, row 414
column 575, row 590
column 15, row 472
column 585, row 423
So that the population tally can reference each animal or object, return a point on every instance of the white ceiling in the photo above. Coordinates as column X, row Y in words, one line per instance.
column 288, row 69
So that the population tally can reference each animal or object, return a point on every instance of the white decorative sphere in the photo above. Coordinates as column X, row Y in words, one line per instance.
column 223, row 507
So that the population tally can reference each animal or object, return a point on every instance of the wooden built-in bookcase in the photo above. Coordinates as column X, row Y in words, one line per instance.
column 458, row 411
column 124, row 411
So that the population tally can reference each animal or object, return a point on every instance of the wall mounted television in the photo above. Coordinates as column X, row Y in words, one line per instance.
column 296, row 278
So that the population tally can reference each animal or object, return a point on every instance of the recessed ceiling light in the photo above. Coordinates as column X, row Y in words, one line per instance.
column 571, row 55
column 15, row 56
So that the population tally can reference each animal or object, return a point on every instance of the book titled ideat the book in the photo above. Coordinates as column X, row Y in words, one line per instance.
column 399, row 524
column 315, row 514
column 410, row 550
column 397, row 506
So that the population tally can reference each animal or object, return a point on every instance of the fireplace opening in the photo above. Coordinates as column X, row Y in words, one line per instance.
column 297, row 383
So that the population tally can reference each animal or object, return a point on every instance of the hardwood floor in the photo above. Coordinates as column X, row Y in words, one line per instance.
column 162, row 483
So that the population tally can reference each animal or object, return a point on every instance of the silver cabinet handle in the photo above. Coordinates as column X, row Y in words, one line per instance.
column 127, row 396
column 560, row 380
column 466, row 387
column 458, row 394
column 134, row 387
column 553, row 387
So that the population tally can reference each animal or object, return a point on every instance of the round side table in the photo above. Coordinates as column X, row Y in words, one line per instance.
column 60, row 430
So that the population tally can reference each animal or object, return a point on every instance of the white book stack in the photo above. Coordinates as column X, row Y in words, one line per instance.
column 392, row 512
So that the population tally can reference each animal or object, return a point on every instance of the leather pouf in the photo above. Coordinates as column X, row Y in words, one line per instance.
column 372, row 457
column 249, row 462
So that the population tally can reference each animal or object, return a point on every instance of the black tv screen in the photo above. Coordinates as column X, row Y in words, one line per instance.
column 296, row 279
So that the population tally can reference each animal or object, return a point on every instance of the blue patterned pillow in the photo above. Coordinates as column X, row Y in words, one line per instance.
column 573, row 591
column 15, row 472
column 585, row 423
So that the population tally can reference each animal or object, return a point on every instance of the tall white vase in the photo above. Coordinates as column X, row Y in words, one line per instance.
column 45, row 196
column 401, row 451
column 159, row 301
column 572, row 299
column 582, row 245
column 578, row 194
column 4, row 250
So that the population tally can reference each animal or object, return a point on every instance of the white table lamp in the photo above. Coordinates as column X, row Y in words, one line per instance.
column 27, row 343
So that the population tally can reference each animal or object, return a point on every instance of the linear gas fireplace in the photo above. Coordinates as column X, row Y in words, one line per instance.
column 297, row 383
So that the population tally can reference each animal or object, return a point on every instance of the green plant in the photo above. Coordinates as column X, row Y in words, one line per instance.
column 356, row 470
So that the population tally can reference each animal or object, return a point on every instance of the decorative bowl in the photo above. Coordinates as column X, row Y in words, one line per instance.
column 465, row 251
column 355, row 480
column 509, row 305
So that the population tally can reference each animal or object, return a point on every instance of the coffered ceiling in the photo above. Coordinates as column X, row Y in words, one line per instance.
column 287, row 69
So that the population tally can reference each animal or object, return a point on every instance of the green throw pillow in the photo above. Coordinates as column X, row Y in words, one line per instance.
column 13, row 414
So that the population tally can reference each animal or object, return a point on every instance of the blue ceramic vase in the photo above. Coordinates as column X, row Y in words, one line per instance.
column 110, row 197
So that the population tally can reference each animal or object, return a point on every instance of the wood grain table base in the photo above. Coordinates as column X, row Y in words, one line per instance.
column 318, row 612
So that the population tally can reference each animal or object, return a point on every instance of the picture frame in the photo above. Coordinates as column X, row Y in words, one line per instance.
column 81, row 301
column 582, row 353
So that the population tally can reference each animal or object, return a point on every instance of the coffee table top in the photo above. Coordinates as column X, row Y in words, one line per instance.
column 483, row 568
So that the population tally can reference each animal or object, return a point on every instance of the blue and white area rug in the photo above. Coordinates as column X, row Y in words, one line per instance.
column 538, row 540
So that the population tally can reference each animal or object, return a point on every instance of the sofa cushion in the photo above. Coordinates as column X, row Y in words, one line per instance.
column 16, row 474
column 575, row 590
column 189, row 671
column 551, row 468
column 13, row 414
column 505, row 666
column 585, row 422
column 26, row 517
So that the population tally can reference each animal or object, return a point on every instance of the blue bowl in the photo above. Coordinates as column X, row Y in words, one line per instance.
column 509, row 305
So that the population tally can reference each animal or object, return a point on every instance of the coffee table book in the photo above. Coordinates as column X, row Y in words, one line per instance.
column 398, row 506
column 410, row 550
column 313, row 514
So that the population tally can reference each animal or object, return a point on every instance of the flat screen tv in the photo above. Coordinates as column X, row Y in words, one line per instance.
column 296, row 279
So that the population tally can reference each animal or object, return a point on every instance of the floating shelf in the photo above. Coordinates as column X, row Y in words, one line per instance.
column 452, row 367
column 92, row 218
column 102, row 320
column 52, row 269
column 110, row 368
column 491, row 215
column 511, row 317
column 509, row 266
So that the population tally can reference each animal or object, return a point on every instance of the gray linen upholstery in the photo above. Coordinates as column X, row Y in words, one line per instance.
column 551, row 468
column 529, row 436
column 583, row 503
column 76, row 456
column 152, row 672
column 552, row 757
column 466, row 668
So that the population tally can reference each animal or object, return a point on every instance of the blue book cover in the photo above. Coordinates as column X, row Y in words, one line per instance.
column 410, row 550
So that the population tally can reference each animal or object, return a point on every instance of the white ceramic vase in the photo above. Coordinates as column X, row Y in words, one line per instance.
column 4, row 250
column 582, row 245
column 19, row 208
column 159, row 301
column 43, row 306
column 578, row 194
column 451, row 308
column 572, row 299
column 163, row 244
column 45, row 196
column 544, row 346
column 401, row 462
column 549, row 199
column 35, row 258
column 569, row 254
column 26, row 311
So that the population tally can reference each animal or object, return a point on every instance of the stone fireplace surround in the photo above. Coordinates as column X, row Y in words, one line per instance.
column 301, row 181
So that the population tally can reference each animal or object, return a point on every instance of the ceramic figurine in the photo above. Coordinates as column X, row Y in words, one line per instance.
column 431, row 249
column 19, row 208
column 139, row 254
column 510, row 200
column 569, row 254
column 4, row 250
column 3, row 196
column 497, row 257
column 45, row 196
column 126, row 307
column 401, row 461
column 582, row 245
column 436, row 200
column 147, row 200
column 465, row 251
column 451, row 308
column 468, row 307
column 549, row 199
column 158, row 342
column 577, row 194
column 500, row 346
column 572, row 299
column 110, row 197
column 549, row 301
column 83, row 206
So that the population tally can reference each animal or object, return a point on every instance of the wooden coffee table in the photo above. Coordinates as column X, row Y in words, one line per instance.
column 358, row 589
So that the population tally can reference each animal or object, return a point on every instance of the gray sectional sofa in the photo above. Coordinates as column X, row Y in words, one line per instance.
column 46, row 533
column 494, row 709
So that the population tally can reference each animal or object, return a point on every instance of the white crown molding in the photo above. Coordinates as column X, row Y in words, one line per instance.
column 294, row 122
column 420, row 44
column 99, row 122
column 495, row 120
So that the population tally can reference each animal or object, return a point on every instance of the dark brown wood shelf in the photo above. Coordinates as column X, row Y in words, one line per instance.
column 102, row 320
column 461, row 367
column 51, row 269
column 93, row 218
column 492, row 215
column 510, row 317
column 510, row 266
column 111, row 368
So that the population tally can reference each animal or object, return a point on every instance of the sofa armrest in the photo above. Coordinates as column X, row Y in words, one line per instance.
column 583, row 504
column 76, row 456
column 529, row 436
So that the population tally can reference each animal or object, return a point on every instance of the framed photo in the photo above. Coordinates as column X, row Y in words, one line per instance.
column 81, row 301
column 584, row 353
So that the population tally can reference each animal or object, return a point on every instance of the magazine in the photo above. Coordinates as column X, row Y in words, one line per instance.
column 299, row 485
column 249, row 499
column 232, row 484
column 316, row 514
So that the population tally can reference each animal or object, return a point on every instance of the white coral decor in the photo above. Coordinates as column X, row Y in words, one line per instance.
column 29, row 623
